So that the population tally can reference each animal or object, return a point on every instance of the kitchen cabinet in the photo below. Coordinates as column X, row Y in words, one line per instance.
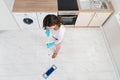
column 89, row 14
column 99, row 18
column 91, row 19
column 84, row 18
column 92, row 13
column 41, row 16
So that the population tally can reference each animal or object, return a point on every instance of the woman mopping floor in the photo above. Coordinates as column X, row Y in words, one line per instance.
column 54, row 28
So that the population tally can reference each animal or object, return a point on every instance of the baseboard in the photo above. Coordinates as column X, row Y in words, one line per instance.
column 110, row 53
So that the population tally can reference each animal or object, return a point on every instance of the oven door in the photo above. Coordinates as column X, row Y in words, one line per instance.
column 68, row 19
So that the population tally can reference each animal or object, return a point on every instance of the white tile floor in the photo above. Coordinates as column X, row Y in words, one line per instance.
column 84, row 56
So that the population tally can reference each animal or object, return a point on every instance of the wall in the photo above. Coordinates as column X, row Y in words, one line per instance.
column 9, row 4
column 7, row 22
column 112, row 33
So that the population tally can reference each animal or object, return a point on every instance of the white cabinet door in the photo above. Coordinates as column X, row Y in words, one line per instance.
column 84, row 18
column 29, row 23
column 41, row 16
column 99, row 18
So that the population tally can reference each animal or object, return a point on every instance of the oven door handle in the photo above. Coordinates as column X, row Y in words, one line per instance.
column 69, row 16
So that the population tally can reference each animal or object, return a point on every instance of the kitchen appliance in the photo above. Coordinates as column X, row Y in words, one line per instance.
column 67, row 5
column 69, row 18
column 68, row 11
column 27, row 20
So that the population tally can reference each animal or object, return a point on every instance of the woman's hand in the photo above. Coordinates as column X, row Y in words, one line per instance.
column 51, row 44
column 47, row 32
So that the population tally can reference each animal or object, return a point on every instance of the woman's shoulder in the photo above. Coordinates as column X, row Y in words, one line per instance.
column 62, row 27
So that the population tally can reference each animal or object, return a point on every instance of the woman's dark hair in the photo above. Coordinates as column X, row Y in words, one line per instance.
column 51, row 20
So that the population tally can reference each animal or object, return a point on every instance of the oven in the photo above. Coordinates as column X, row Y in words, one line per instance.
column 69, row 18
column 68, row 11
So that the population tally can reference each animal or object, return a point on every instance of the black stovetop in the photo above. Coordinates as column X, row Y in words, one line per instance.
column 67, row 5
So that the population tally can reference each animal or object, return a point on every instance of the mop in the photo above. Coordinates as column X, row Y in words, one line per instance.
column 50, row 46
column 49, row 71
